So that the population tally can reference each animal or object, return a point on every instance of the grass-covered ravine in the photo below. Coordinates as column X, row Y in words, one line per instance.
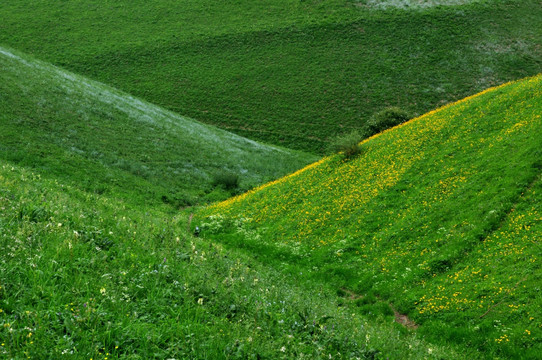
column 88, row 276
column 438, row 223
column 102, row 139
column 421, row 242
column 287, row 72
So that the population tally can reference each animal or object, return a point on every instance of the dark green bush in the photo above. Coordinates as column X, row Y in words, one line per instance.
column 180, row 199
column 226, row 179
column 347, row 144
column 386, row 119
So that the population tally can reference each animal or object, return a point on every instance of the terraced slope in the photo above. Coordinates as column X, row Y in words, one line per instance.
column 106, row 140
column 287, row 72
column 441, row 218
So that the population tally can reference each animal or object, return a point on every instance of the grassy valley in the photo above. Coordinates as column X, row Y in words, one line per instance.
column 101, row 139
column 438, row 218
column 124, row 125
column 87, row 276
column 96, row 265
column 257, row 68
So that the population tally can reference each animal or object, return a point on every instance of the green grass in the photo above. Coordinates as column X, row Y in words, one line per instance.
column 439, row 217
column 285, row 71
column 100, row 138
column 438, row 220
column 87, row 276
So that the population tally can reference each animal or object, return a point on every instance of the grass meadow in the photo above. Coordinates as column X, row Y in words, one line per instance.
column 256, row 68
column 124, row 125
column 438, row 219
column 89, row 276
column 99, row 138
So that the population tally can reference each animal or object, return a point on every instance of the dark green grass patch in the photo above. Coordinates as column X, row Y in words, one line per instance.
column 287, row 72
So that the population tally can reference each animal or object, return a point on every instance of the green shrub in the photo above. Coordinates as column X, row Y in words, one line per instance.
column 386, row 119
column 347, row 144
column 216, row 195
column 226, row 179
column 180, row 199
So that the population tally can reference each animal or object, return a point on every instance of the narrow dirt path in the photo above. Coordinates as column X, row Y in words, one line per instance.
column 399, row 318
column 403, row 319
column 189, row 221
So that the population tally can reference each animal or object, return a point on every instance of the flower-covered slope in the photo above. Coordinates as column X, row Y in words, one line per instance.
column 440, row 216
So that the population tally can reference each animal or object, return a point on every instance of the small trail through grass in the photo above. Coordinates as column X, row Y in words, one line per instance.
column 399, row 318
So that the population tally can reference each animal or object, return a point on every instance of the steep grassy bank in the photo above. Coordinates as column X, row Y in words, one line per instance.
column 284, row 71
column 440, row 217
column 86, row 276
column 105, row 140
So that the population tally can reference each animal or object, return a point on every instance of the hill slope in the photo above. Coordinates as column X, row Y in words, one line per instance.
column 284, row 71
column 104, row 139
column 86, row 276
column 440, row 217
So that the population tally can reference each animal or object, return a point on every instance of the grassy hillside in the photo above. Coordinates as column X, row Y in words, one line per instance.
column 285, row 71
column 105, row 140
column 440, row 218
column 85, row 276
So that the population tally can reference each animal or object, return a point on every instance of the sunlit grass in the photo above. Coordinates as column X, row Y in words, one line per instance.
column 85, row 276
column 439, row 216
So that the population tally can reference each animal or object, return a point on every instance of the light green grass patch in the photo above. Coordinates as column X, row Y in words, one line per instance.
column 439, row 216
column 413, row 4
column 54, row 116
